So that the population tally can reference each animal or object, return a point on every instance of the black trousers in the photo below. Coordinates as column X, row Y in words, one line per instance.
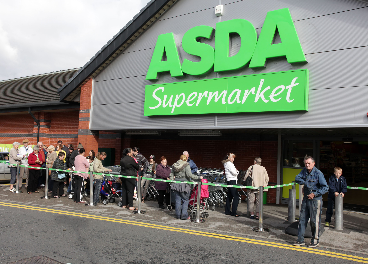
column 33, row 180
column 330, row 207
column 162, row 195
column 58, row 188
column 78, row 188
column 42, row 178
column 232, row 196
column 128, row 186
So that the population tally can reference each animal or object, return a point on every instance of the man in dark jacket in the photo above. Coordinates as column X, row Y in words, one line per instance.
column 193, row 166
column 315, row 186
column 337, row 186
column 142, row 161
column 73, row 155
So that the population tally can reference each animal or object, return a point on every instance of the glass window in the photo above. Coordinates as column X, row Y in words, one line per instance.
column 295, row 151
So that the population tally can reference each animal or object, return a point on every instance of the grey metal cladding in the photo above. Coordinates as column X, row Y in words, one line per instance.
column 333, row 36
column 130, row 116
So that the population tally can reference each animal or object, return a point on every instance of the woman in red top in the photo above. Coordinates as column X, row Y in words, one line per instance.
column 34, row 160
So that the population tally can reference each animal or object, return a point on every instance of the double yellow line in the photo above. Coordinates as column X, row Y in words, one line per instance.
column 193, row 232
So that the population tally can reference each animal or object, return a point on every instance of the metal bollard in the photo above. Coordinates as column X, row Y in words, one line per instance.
column 139, row 193
column 292, row 205
column 198, row 201
column 91, row 189
column 17, row 182
column 248, row 212
column 339, row 202
column 260, row 209
column 300, row 198
column 47, row 184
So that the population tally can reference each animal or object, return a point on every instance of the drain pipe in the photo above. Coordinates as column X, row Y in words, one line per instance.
column 37, row 122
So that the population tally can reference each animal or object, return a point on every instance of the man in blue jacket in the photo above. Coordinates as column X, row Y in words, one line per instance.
column 193, row 166
column 338, row 186
column 315, row 186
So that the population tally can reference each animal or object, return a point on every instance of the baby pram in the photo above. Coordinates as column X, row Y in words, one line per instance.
column 203, row 205
column 110, row 189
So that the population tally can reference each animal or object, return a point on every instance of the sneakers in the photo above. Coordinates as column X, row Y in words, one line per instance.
column 313, row 244
column 327, row 224
column 13, row 190
column 252, row 217
column 299, row 244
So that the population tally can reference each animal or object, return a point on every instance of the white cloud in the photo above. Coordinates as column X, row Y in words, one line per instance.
column 39, row 36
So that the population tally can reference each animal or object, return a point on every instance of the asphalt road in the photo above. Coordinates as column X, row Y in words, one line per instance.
column 69, row 237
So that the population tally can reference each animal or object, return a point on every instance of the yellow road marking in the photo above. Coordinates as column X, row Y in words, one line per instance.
column 192, row 232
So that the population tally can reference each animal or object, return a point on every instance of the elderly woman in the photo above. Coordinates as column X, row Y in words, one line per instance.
column 14, row 160
column 231, row 174
column 129, row 167
column 182, row 172
column 35, row 161
column 98, row 168
column 51, row 157
column 162, row 172
column 58, row 177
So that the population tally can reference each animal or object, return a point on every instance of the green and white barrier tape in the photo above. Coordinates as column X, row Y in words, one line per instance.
column 173, row 181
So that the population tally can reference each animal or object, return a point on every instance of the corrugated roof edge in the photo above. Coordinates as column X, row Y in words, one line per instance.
column 146, row 13
column 38, row 75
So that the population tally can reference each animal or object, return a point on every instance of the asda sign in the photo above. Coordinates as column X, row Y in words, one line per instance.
column 281, row 91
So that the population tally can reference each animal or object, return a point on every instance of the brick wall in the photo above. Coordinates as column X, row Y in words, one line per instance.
column 209, row 152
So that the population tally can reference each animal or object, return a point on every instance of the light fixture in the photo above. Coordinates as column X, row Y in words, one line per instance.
column 200, row 133
column 348, row 142
column 142, row 132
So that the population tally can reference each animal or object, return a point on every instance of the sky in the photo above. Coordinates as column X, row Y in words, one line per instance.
column 42, row 36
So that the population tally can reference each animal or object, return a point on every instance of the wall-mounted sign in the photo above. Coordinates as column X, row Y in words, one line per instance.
column 269, row 89
column 277, row 91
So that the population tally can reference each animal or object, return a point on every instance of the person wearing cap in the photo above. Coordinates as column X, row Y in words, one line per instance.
column 148, row 173
column 24, row 152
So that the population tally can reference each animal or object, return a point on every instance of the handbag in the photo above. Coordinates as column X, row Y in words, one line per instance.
column 61, row 176
column 249, row 179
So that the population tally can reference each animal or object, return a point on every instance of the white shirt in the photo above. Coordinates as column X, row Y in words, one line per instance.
column 231, row 172
column 23, row 151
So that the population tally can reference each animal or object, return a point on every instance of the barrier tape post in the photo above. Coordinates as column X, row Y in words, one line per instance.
column 47, row 184
column 260, row 209
column 338, row 212
column 292, row 205
column 91, row 202
column 300, row 198
column 17, row 183
column 139, row 193
column 198, row 201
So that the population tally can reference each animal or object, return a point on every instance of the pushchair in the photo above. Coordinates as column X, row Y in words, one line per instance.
column 203, row 205
column 110, row 189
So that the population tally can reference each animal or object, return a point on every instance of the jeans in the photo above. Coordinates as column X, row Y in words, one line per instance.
column 311, row 209
column 330, row 207
column 13, row 174
column 232, row 196
column 181, row 210
column 96, row 191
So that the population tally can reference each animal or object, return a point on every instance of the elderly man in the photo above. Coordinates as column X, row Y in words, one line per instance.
column 13, row 162
column 24, row 152
column 315, row 186
column 193, row 166
column 259, row 177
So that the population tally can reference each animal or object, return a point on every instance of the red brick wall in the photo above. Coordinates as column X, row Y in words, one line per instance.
column 210, row 152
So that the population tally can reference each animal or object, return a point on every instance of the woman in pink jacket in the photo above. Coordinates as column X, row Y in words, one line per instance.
column 81, row 165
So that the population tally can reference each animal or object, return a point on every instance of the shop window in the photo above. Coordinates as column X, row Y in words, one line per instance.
column 295, row 151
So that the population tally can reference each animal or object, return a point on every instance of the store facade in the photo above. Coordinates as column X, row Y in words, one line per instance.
column 274, row 79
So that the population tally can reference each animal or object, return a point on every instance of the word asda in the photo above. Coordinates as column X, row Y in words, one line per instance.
column 277, row 91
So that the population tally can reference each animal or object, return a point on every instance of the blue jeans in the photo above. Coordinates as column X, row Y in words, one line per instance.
column 311, row 209
column 96, row 191
column 181, row 210
column 13, row 175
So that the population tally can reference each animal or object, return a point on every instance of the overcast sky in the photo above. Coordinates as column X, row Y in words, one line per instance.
column 41, row 36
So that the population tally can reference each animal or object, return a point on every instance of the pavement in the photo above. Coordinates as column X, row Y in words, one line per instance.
column 353, row 239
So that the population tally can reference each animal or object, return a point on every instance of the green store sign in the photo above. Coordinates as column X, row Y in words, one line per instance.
column 281, row 91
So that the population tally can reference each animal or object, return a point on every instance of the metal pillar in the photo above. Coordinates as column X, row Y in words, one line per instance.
column 47, row 184
column 260, row 209
column 139, row 193
column 198, row 201
column 91, row 203
column 292, row 205
column 17, row 182
column 339, row 202
column 300, row 197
